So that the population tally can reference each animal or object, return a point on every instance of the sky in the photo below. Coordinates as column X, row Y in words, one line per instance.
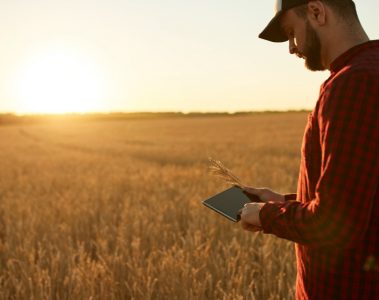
column 149, row 55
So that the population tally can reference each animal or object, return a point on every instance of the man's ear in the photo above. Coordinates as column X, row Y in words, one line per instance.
column 317, row 12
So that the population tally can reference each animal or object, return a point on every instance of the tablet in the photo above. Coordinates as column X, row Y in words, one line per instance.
column 229, row 202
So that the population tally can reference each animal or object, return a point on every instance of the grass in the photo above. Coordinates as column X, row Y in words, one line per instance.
column 112, row 209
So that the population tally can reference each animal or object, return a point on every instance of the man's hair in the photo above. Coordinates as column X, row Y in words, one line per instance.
column 344, row 8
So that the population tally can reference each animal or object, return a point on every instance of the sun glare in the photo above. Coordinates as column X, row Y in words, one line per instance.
column 59, row 81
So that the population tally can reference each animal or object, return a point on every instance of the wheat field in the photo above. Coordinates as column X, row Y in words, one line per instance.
column 112, row 209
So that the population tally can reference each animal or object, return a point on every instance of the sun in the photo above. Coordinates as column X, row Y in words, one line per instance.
column 59, row 81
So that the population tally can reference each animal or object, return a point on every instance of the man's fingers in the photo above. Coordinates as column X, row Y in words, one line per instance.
column 252, row 190
column 253, row 194
column 256, row 191
column 241, row 210
column 249, row 227
column 245, row 225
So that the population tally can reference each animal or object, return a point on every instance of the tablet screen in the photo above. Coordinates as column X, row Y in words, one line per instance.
column 228, row 203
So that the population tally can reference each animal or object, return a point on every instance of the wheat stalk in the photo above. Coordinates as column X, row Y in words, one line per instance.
column 218, row 169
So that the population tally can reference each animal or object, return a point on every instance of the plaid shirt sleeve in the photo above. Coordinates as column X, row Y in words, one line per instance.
column 348, row 126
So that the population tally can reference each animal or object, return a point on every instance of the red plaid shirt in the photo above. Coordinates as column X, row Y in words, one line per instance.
column 335, row 218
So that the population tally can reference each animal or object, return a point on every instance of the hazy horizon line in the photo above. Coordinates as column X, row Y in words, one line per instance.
column 142, row 112
column 13, row 119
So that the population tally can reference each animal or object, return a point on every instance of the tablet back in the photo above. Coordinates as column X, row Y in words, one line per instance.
column 228, row 203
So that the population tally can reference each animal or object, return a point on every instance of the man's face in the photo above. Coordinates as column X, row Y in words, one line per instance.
column 303, row 40
column 312, row 49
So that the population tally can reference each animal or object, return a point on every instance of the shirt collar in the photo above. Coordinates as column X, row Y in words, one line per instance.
column 347, row 56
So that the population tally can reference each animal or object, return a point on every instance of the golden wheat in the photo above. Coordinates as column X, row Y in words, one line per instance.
column 218, row 169
column 112, row 209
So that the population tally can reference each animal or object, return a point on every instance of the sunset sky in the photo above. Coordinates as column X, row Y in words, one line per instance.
column 149, row 55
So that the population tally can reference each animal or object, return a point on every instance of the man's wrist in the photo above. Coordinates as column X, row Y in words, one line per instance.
column 259, row 213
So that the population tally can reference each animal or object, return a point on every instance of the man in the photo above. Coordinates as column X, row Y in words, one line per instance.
column 334, row 217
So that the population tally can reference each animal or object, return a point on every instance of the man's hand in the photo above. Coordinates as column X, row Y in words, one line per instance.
column 264, row 194
column 250, row 216
column 250, row 213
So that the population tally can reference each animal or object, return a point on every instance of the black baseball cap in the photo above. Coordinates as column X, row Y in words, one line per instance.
column 273, row 31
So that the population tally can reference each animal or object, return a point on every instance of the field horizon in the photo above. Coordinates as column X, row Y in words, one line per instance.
column 13, row 118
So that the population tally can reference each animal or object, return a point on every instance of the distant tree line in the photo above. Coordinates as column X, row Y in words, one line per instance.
column 10, row 119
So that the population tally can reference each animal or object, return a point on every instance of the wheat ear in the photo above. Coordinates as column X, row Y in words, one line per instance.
column 218, row 169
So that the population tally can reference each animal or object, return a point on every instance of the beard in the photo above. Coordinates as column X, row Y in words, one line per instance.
column 312, row 51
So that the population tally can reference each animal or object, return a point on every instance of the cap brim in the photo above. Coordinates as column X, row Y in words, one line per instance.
column 273, row 31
